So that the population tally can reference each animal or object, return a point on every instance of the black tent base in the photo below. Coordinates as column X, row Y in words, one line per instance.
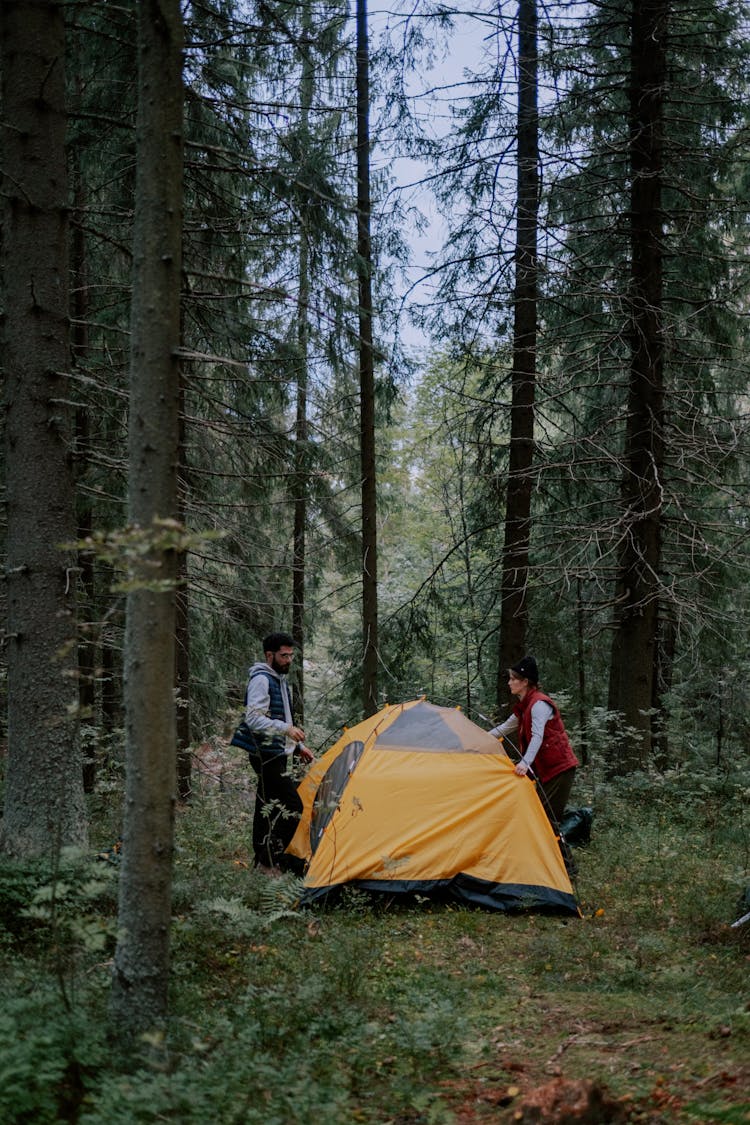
column 505, row 898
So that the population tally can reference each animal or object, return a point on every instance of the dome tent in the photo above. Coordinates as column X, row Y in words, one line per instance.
column 419, row 799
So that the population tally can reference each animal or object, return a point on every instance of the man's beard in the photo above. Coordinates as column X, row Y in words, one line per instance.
column 282, row 669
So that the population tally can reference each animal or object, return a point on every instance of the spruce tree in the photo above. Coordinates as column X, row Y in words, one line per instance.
column 44, row 806
column 141, row 962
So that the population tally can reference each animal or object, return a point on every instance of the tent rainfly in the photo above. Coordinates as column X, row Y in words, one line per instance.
column 419, row 799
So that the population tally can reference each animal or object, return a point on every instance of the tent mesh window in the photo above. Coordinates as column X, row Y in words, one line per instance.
column 420, row 728
column 330, row 790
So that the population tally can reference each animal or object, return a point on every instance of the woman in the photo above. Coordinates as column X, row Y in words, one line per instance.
column 544, row 741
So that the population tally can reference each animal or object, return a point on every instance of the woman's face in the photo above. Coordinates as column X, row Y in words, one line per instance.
column 517, row 685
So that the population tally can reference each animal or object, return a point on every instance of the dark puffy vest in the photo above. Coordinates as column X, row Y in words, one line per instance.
column 277, row 743
column 555, row 754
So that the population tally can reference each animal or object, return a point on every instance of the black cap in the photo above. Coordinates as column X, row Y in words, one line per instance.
column 527, row 669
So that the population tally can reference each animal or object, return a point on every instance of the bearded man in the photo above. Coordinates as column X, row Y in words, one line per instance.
column 272, row 738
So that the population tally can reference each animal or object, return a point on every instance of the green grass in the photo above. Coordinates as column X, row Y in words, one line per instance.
column 412, row 1013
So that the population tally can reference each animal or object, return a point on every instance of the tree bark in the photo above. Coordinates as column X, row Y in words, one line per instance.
column 366, row 377
column 141, row 963
column 666, row 645
column 583, row 737
column 301, row 455
column 182, row 685
column 514, row 586
column 182, row 622
column 87, row 646
column 44, row 804
column 634, row 650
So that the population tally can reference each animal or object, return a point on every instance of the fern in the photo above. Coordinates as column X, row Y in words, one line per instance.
column 279, row 898
column 233, row 909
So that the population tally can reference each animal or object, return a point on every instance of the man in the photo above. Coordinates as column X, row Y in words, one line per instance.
column 545, row 745
column 271, row 738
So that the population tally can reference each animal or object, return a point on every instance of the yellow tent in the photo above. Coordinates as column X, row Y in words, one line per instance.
column 419, row 799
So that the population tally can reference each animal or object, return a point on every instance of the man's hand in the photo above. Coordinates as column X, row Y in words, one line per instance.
column 521, row 769
column 305, row 754
column 296, row 734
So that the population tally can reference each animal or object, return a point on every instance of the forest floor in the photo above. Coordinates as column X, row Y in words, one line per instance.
column 367, row 1011
column 473, row 1017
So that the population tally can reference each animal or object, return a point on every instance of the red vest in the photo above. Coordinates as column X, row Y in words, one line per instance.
column 555, row 754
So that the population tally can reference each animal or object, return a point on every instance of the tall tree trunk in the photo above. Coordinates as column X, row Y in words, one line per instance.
column 299, row 478
column 44, row 804
column 141, row 963
column 666, row 646
column 583, row 738
column 366, row 377
column 514, row 612
column 110, row 642
column 662, row 682
column 87, row 646
column 635, row 648
column 182, row 623
column 301, row 453
column 182, row 685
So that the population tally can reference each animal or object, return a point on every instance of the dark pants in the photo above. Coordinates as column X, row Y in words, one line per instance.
column 554, row 796
column 277, row 807
column 556, row 792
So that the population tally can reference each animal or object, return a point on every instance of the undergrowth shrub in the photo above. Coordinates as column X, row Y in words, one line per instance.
column 370, row 1010
column 67, row 900
column 18, row 885
column 49, row 1054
